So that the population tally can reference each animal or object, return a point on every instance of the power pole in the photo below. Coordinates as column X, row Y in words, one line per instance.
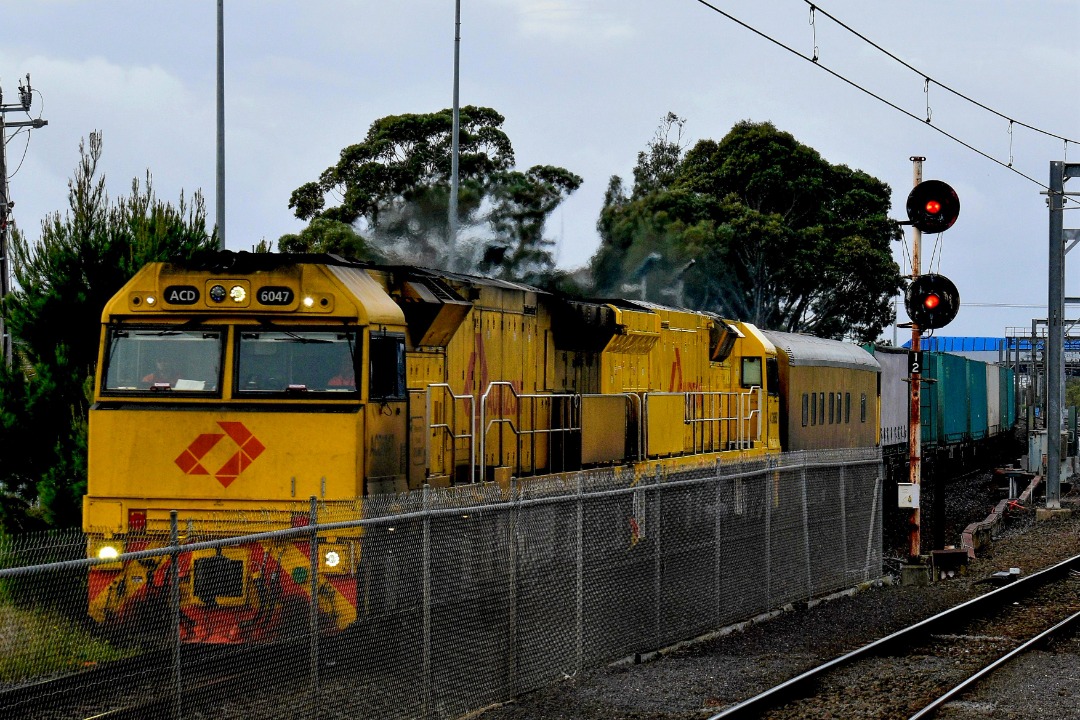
column 25, row 97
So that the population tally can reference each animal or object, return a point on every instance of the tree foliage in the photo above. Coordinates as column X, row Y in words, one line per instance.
column 323, row 235
column 82, row 259
column 393, row 189
column 759, row 227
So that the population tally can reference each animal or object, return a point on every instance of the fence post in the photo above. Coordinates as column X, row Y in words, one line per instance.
column 657, row 564
column 806, row 533
column 870, row 544
column 717, row 545
column 772, row 475
column 428, row 710
column 313, row 568
column 174, row 607
column 843, row 523
column 580, row 577
column 514, row 510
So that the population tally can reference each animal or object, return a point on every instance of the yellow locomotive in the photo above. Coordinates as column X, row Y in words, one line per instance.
column 245, row 384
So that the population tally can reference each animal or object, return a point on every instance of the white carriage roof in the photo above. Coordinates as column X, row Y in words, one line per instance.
column 810, row 350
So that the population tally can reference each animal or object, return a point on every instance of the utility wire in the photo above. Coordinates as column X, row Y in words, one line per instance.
column 879, row 98
column 25, row 148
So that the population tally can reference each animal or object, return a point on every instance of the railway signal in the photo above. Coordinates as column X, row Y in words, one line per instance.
column 932, row 301
column 933, row 206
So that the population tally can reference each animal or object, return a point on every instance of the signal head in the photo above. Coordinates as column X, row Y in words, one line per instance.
column 933, row 206
column 932, row 301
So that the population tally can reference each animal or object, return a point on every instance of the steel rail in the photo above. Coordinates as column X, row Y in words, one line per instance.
column 796, row 687
column 931, row 709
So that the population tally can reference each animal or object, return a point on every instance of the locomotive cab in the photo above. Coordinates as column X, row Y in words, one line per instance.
column 225, row 389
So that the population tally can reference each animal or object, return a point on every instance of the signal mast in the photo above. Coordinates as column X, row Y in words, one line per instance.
column 932, row 301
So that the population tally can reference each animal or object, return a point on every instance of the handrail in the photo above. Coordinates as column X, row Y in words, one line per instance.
column 449, row 429
column 485, row 426
column 745, row 414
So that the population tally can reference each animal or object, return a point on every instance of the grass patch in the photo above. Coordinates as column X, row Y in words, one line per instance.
column 37, row 643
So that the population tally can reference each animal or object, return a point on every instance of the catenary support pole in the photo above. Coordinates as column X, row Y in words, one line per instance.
column 1060, row 172
column 1055, row 313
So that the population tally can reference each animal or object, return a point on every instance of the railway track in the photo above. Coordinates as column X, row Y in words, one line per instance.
column 914, row 672
column 145, row 686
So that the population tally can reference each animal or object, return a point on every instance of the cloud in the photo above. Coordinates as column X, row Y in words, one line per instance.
column 568, row 22
column 149, row 118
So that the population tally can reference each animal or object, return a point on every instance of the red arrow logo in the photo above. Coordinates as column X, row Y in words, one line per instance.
column 248, row 448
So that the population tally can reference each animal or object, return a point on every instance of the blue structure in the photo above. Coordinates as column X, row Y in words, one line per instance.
column 984, row 349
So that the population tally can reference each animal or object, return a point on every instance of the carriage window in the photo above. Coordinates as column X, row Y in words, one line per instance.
column 387, row 367
column 751, row 372
column 163, row 359
column 805, row 409
column 862, row 407
column 847, row 407
column 300, row 361
column 821, row 407
column 832, row 413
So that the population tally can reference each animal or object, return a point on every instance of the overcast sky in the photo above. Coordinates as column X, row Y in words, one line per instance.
column 583, row 84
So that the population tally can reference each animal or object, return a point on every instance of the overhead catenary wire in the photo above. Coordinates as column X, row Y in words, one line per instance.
column 943, row 86
column 925, row 121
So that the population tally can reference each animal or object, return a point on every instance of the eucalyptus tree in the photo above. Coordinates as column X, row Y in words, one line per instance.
column 393, row 190
column 757, row 226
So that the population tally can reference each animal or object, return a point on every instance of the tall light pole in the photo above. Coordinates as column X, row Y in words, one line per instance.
column 221, row 123
column 454, row 149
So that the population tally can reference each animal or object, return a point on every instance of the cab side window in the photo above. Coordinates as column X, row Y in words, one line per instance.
column 751, row 372
column 387, row 358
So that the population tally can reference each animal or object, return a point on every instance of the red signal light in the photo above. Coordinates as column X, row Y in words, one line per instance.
column 932, row 206
column 932, row 301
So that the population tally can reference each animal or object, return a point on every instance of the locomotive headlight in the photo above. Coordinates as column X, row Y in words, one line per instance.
column 238, row 293
column 217, row 293
column 309, row 301
column 108, row 552
column 332, row 559
column 150, row 300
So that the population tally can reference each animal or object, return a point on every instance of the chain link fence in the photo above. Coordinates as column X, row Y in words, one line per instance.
column 464, row 596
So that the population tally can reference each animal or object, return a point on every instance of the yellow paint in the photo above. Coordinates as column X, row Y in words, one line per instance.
column 492, row 377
